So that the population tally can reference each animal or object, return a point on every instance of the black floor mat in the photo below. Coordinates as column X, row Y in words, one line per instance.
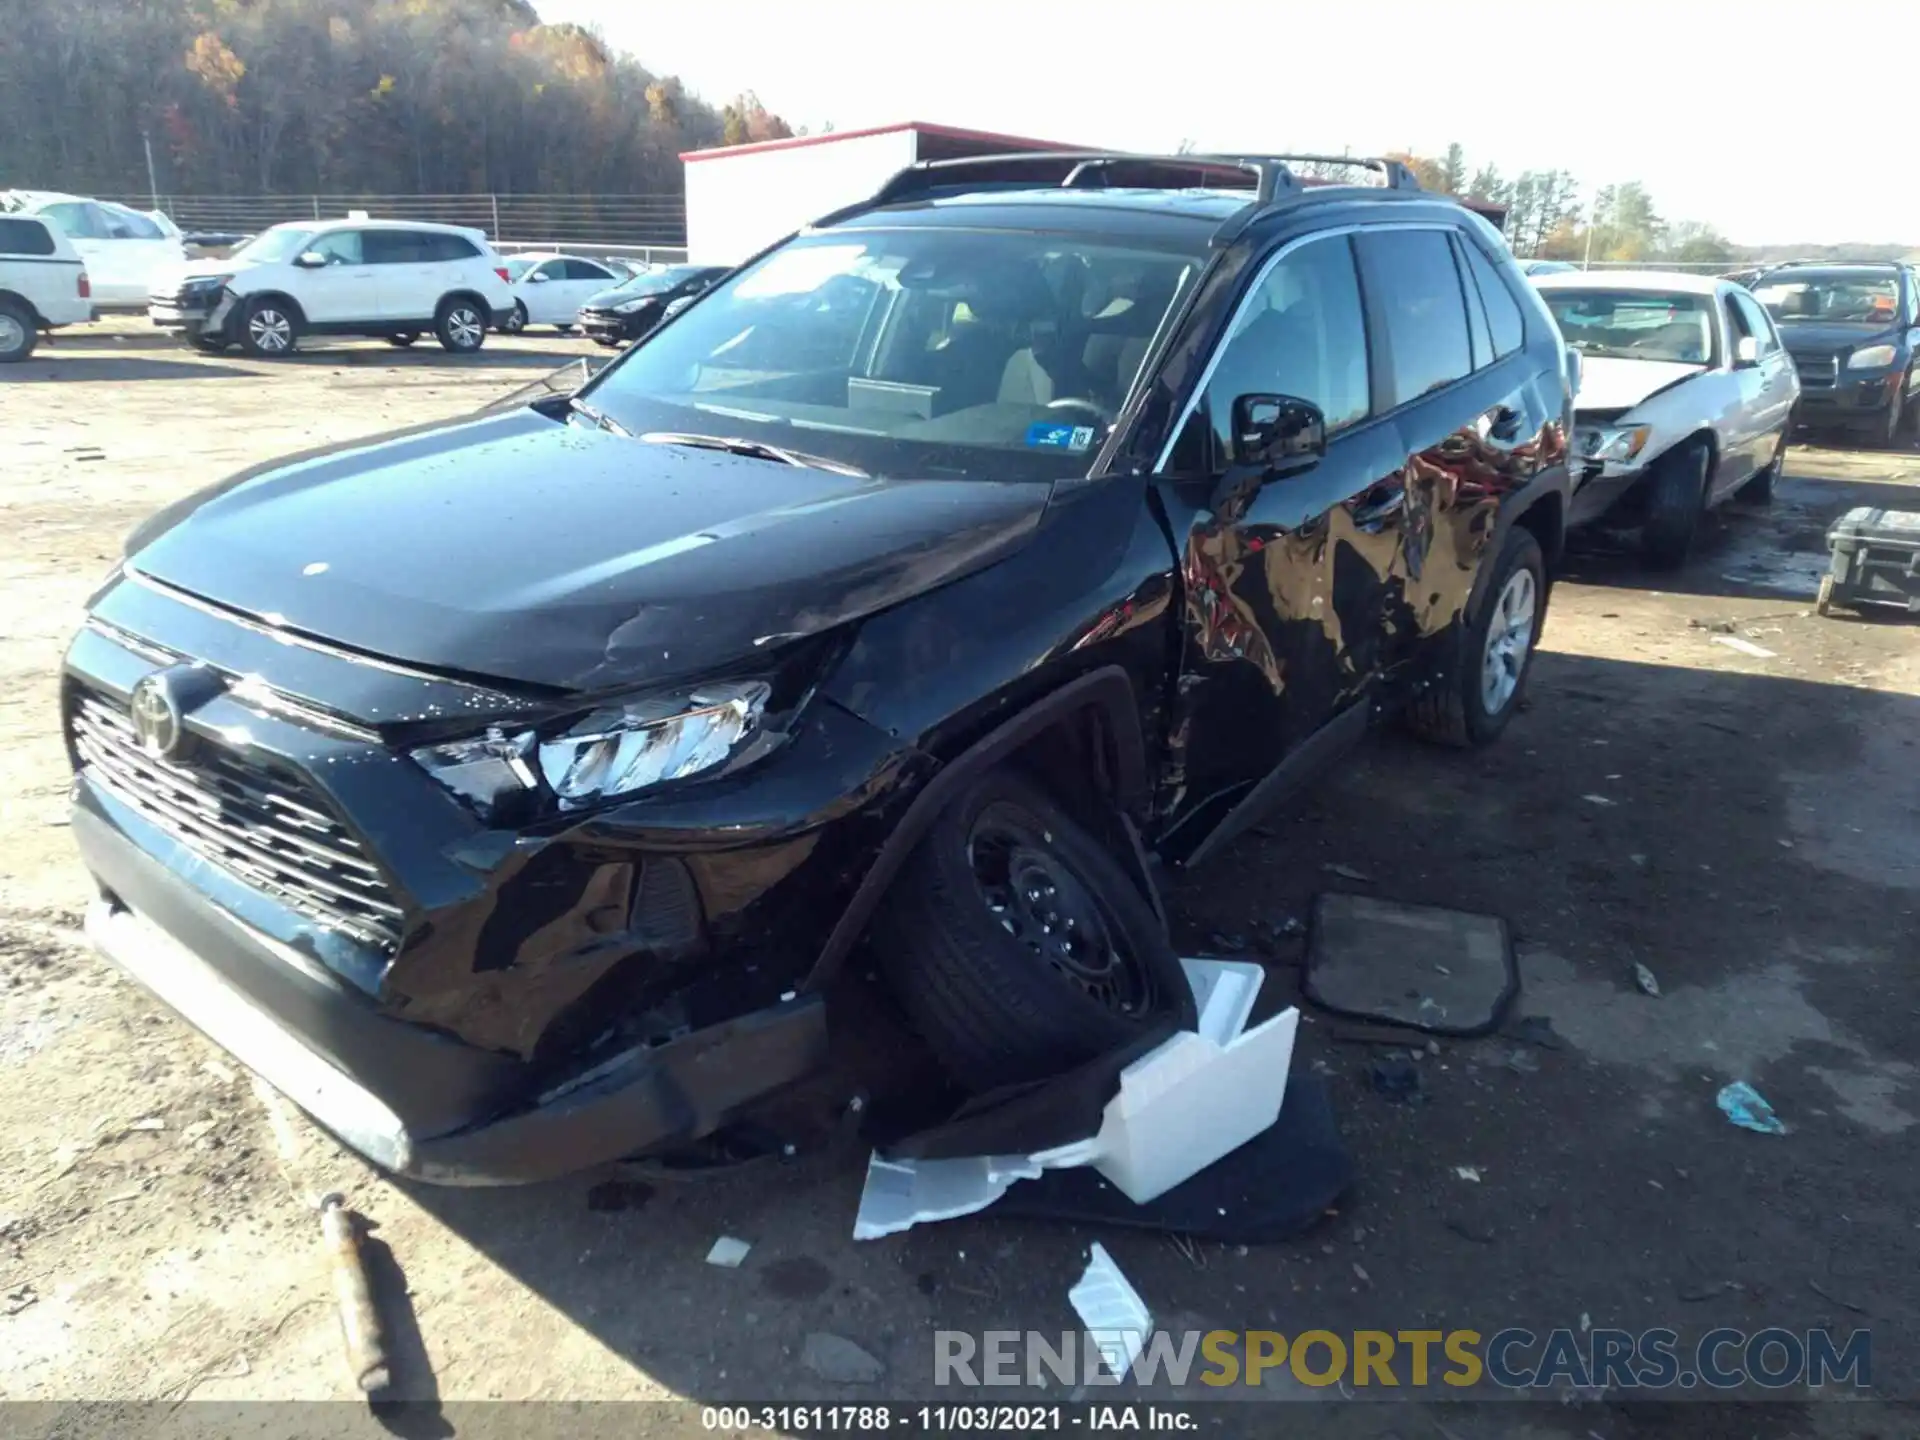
column 1273, row 1187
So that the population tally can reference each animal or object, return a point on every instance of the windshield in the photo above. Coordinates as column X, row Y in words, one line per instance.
column 1846, row 299
column 270, row 247
column 1635, row 324
column 935, row 352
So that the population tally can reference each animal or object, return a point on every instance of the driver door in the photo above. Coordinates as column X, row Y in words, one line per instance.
column 1285, row 581
column 347, row 287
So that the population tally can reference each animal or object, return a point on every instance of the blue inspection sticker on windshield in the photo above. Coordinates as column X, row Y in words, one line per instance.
column 1047, row 435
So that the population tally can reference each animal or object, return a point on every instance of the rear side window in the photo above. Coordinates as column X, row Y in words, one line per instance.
column 120, row 223
column 74, row 217
column 1300, row 332
column 24, row 237
column 440, row 246
column 586, row 270
column 395, row 247
column 1414, row 290
column 1503, row 311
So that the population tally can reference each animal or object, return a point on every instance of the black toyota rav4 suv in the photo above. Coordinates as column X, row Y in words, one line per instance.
column 513, row 793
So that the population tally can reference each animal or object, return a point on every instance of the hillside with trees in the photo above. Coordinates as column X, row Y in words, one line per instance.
column 342, row 97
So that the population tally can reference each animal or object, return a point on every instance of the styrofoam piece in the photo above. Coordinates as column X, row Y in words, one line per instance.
column 1186, row 1103
column 1117, row 1319
column 727, row 1252
column 900, row 1194
column 1223, row 994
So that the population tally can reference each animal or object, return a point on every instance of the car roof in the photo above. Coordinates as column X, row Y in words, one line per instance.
column 37, row 198
column 1877, row 269
column 1671, row 281
column 336, row 221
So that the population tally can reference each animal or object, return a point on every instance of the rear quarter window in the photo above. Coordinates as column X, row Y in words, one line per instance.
column 449, row 247
column 24, row 237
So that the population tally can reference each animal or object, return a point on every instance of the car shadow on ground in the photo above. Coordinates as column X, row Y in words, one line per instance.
column 46, row 368
column 1735, row 832
column 151, row 339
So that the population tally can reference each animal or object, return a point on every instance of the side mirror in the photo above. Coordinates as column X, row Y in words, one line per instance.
column 536, row 278
column 310, row 260
column 1278, row 433
column 1746, row 352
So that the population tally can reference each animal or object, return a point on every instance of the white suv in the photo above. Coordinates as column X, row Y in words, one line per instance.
column 393, row 278
column 43, row 283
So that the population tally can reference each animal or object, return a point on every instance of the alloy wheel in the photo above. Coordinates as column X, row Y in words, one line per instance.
column 465, row 328
column 13, row 335
column 270, row 331
column 1509, row 640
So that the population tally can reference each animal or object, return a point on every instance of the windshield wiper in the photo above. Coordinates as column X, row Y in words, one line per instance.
column 755, row 449
column 598, row 418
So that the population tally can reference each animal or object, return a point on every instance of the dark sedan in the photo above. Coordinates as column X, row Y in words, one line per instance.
column 628, row 311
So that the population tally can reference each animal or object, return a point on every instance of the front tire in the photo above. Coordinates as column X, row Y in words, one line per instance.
column 1759, row 489
column 268, row 330
column 18, row 332
column 460, row 327
column 1472, row 704
column 1676, row 499
column 516, row 320
column 1018, row 946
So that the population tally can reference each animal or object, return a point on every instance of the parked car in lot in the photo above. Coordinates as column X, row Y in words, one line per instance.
column 1548, row 267
column 633, row 307
column 124, row 249
column 1686, row 396
column 550, row 289
column 513, row 793
column 1854, row 334
column 43, row 284
column 394, row 278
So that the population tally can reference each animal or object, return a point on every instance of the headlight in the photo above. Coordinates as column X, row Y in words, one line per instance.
column 643, row 743
column 1871, row 357
column 616, row 751
column 207, row 282
column 627, row 307
column 1615, row 446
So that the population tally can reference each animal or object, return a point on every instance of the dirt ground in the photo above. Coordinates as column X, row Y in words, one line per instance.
column 1746, row 827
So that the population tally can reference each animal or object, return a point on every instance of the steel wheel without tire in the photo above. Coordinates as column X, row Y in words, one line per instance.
column 515, row 322
column 18, row 334
column 1018, row 945
column 1471, row 702
column 268, row 330
column 460, row 327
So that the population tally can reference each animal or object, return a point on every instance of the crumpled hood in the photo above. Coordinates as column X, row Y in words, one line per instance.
column 523, row 549
column 1609, row 383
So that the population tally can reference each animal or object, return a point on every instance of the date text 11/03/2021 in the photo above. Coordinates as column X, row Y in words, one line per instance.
column 912, row 1419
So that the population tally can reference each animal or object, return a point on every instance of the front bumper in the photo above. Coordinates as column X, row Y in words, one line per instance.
column 1849, row 401
column 538, row 1002
column 605, row 326
column 198, row 314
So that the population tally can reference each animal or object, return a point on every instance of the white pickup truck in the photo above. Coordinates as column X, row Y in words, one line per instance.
column 43, row 284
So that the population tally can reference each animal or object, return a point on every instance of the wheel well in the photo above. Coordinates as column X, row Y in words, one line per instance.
column 282, row 298
column 33, row 311
column 1545, row 519
column 478, row 299
column 1076, row 761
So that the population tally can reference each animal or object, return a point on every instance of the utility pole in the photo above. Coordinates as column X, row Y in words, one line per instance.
column 153, row 184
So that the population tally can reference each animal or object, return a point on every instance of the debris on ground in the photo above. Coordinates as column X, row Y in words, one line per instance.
column 1469, row 1173
column 1185, row 1104
column 727, row 1252
column 1745, row 647
column 1116, row 1318
column 360, row 1326
column 1445, row 972
column 1599, row 800
column 836, row 1359
column 1643, row 979
column 1747, row 1108
column 1396, row 1079
column 20, row 1298
column 1347, row 872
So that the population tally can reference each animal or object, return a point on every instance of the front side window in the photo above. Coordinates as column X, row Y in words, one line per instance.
column 340, row 247
column 1753, row 317
column 1422, row 306
column 1301, row 333
column 918, row 352
column 1635, row 324
column 553, row 270
column 1831, row 298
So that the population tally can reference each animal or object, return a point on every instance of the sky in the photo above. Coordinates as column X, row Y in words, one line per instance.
column 1707, row 103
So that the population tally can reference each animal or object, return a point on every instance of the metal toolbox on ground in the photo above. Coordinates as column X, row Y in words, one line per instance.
column 1874, row 559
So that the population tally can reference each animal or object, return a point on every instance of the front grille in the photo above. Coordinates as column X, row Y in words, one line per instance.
column 270, row 831
column 1817, row 372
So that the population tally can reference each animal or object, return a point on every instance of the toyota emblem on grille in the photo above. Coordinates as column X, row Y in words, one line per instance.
column 155, row 710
